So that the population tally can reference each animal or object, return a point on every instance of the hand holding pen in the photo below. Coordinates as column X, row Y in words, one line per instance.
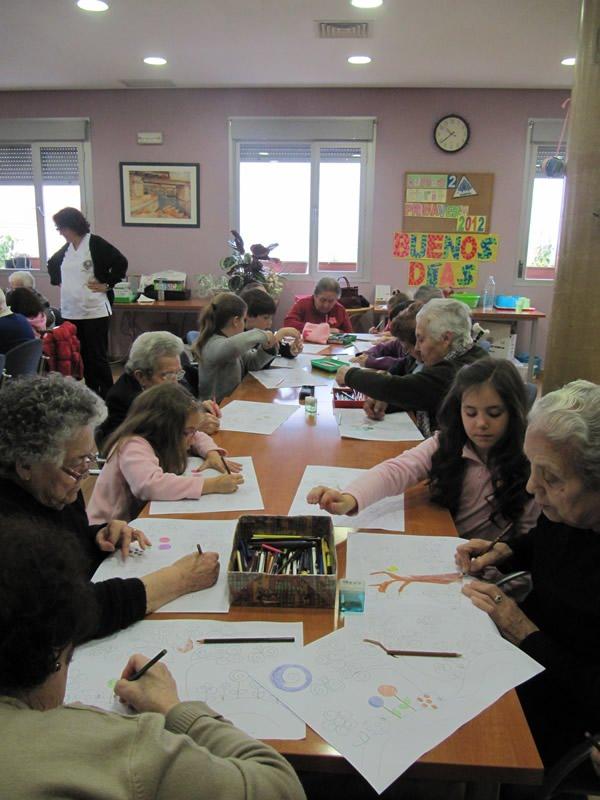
column 152, row 690
column 474, row 556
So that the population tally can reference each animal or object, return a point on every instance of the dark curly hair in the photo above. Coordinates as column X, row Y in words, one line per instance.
column 73, row 219
column 24, row 301
column 46, row 603
column 507, row 463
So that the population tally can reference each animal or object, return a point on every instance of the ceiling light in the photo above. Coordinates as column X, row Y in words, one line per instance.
column 366, row 3
column 263, row 154
column 92, row 5
column 568, row 62
column 155, row 61
column 359, row 60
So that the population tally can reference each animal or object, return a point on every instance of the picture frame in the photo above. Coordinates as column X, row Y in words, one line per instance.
column 160, row 195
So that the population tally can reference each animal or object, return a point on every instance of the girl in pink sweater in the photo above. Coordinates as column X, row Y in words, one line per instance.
column 474, row 464
column 148, row 453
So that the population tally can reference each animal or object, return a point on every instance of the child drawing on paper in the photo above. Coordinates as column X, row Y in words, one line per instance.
column 474, row 464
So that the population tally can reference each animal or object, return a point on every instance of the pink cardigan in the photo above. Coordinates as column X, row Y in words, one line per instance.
column 132, row 476
column 472, row 519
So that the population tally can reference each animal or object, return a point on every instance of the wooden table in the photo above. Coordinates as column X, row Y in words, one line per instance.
column 182, row 315
column 495, row 747
column 512, row 316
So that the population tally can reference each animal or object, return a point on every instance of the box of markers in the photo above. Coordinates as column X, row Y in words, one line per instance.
column 283, row 561
column 345, row 397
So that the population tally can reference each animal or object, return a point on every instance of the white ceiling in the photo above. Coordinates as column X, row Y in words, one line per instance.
column 51, row 44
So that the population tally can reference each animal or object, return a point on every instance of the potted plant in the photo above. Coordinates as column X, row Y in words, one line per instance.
column 242, row 268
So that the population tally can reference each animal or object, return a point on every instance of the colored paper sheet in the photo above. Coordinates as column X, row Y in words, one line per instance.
column 438, row 273
column 426, row 181
column 436, row 210
column 217, row 674
column 387, row 514
column 426, row 195
column 246, row 498
column 172, row 539
column 247, row 416
column 465, row 247
column 471, row 223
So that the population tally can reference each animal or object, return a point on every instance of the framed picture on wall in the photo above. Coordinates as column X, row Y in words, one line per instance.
column 160, row 195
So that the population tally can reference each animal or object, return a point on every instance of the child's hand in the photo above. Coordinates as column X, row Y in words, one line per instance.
column 224, row 484
column 297, row 346
column 287, row 333
column 271, row 340
column 213, row 460
column 209, row 423
column 331, row 500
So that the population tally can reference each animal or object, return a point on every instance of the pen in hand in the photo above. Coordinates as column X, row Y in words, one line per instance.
column 227, row 470
column 143, row 670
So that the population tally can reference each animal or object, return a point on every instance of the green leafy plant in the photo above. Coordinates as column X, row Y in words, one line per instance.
column 256, row 266
column 7, row 247
column 543, row 255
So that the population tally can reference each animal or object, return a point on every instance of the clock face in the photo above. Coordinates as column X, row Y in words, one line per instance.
column 451, row 133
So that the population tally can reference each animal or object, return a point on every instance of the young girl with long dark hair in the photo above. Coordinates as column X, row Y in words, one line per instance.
column 148, row 454
column 224, row 350
column 474, row 464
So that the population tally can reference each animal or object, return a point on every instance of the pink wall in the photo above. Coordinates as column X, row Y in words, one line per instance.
column 194, row 124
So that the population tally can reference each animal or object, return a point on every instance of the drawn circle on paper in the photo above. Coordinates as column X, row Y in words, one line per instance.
column 375, row 701
column 165, row 539
column 387, row 691
column 291, row 677
column 164, row 546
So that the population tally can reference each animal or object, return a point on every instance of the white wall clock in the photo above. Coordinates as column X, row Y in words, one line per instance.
column 451, row 133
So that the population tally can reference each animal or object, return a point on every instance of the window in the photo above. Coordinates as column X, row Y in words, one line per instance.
column 307, row 184
column 37, row 179
column 542, row 203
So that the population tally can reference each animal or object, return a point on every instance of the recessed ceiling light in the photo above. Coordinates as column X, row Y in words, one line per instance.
column 92, row 5
column 366, row 3
column 155, row 61
column 568, row 62
column 359, row 60
column 263, row 154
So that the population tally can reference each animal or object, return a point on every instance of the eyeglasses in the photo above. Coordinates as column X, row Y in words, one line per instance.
column 171, row 376
column 80, row 468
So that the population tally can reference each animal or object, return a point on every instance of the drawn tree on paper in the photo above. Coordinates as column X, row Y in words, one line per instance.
column 405, row 580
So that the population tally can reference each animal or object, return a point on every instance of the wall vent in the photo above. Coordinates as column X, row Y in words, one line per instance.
column 343, row 30
column 148, row 84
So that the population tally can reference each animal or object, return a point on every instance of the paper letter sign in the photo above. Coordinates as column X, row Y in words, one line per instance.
column 426, row 195
column 440, row 273
column 445, row 246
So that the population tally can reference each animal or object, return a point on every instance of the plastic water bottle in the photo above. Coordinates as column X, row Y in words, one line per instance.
column 489, row 294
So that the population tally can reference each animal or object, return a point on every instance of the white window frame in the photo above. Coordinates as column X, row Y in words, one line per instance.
column 318, row 132
column 539, row 132
column 54, row 132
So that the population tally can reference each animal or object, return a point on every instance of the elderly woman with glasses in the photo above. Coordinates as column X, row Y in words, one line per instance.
column 170, row 750
column 155, row 357
column 558, row 624
column 46, row 444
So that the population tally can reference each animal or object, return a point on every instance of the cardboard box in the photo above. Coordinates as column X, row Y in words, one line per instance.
column 503, row 341
column 298, row 591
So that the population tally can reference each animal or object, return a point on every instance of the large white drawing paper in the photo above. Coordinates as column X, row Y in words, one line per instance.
column 216, row 674
column 172, row 539
column 382, row 713
column 362, row 347
column 309, row 347
column 289, row 378
column 354, row 424
column 405, row 570
column 247, row 416
column 246, row 498
column 387, row 514
column 368, row 337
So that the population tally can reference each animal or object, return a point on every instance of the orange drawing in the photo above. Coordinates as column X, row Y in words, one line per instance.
column 404, row 580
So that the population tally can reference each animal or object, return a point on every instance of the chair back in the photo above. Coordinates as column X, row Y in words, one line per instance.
column 24, row 359
column 531, row 392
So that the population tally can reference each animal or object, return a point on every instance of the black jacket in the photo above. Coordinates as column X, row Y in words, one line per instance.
column 564, row 701
column 110, row 265
column 121, row 602
column 119, row 398
column 418, row 391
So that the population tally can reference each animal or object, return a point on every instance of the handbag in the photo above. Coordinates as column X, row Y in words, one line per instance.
column 317, row 333
column 350, row 298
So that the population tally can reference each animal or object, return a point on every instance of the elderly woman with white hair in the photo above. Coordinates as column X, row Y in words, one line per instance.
column 444, row 345
column 21, row 279
column 155, row 357
column 46, row 439
column 558, row 624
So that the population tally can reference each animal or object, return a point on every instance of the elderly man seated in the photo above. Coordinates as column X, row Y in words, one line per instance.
column 443, row 345
column 154, row 357
column 322, row 306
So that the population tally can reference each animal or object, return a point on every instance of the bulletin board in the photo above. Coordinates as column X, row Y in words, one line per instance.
column 437, row 202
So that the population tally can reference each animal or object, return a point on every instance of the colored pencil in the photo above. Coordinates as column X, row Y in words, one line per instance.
column 227, row 470
column 248, row 640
